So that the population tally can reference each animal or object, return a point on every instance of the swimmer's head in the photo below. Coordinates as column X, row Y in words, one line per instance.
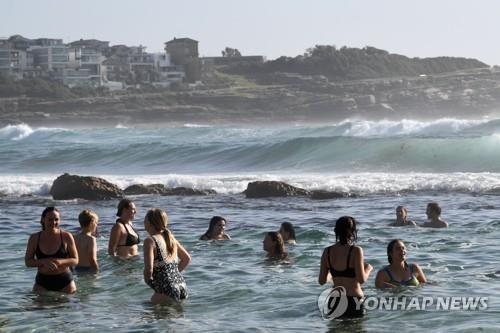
column 50, row 214
column 287, row 229
column 273, row 243
column 433, row 210
column 345, row 230
column 396, row 248
column 216, row 226
column 126, row 206
column 157, row 218
column 401, row 212
column 86, row 217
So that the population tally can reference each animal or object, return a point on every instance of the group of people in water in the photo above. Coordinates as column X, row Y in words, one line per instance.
column 55, row 252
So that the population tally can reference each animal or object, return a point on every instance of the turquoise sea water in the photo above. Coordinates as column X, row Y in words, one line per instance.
column 232, row 285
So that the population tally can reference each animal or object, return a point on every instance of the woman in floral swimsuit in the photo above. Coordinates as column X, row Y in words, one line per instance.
column 164, row 259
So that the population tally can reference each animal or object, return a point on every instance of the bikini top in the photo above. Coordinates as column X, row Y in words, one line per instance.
column 347, row 272
column 131, row 239
column 60, row 253
column 412, row 280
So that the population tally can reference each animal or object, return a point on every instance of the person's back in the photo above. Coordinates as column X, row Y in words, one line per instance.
column 86, row 244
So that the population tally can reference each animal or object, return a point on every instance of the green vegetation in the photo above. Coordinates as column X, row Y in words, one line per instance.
column 354, row 63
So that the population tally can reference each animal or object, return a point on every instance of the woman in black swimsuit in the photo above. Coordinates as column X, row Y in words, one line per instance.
column 124, row 240
column 344, row 262
column 53, row 252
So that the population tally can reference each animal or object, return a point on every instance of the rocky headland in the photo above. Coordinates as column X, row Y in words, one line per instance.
column 325, row 84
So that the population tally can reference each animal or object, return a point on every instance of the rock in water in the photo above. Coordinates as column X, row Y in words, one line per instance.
column 67, row 187
column 264, row 189
column 187, row 191
column 145, row 189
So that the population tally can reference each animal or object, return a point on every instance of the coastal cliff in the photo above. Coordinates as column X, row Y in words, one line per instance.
column 325, row 84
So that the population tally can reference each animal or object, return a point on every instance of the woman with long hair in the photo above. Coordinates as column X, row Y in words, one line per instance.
column 164, row 259
column 344, row 262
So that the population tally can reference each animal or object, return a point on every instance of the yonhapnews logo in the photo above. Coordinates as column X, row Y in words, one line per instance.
column 332, row 303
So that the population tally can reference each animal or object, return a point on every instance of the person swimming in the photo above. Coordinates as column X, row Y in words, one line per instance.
column 399, row 273
column 216, row 229
column 402, row 217
column 86, row 243
column 344, row 263
column 433, row 212
column 274, row 246
column 164, row 259
column 287, row 231
column 123, row 239
column 53, row 252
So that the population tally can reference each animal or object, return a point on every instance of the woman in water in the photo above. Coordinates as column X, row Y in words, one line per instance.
column 164, row 259
column 402, row 217
column 274, row 246
column 216, row 230
column 287, row 231
column 53, row 252
column 124, row 240
column 344, row 262
column 399, row 273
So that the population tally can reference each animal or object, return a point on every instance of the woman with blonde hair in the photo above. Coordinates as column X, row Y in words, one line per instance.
column 164, row 259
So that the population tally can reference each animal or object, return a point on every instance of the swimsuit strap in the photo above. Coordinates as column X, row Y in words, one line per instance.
column 159, row 249
column 348, row 258
column 387, row 270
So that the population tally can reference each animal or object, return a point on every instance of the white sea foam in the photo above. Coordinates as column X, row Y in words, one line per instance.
column 384, row 128
column 359, row 183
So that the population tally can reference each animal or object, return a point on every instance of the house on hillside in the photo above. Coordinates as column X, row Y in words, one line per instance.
column 184, row 52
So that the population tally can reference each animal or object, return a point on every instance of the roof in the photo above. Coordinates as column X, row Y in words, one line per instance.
column 181, row 40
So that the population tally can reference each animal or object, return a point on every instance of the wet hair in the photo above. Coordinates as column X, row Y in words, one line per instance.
column 279, row 247
column 345, row 230
column 288, row 227
column 124, row 203
column 45, row 212
column 434, row 206
column 211, row 225
column 159, row 220
column 86, row 217
column 403, row 209
column 390, row 247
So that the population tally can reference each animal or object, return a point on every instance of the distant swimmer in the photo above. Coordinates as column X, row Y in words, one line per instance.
column 164, row 259
column 345, row 263
column 53, row 252
column 402, row 217
column 124, row 240
column 216, row 229
column 287, row 231
column 86, row 244
column 399, row 273
column 434, row 217
column 274, row 245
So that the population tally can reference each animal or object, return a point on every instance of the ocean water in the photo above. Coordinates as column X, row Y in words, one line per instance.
column 232, row 285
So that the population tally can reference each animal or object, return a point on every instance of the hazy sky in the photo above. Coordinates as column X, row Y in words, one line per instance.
column 272, row 28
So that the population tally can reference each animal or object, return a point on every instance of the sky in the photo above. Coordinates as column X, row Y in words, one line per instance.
column 273, row 28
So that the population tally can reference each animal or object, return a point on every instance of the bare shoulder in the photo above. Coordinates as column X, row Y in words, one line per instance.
column 67, row 235
column 357, row 250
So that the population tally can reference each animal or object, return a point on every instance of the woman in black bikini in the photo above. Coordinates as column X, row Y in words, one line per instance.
column 344, row 262
column 53, row 252
column 124, row 240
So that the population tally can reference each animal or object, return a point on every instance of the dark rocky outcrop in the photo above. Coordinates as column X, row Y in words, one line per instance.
column 68, row 187
column 324, row 195
column 187, row 191
column 264, row 189
column 162, row 190
column 145, row 189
